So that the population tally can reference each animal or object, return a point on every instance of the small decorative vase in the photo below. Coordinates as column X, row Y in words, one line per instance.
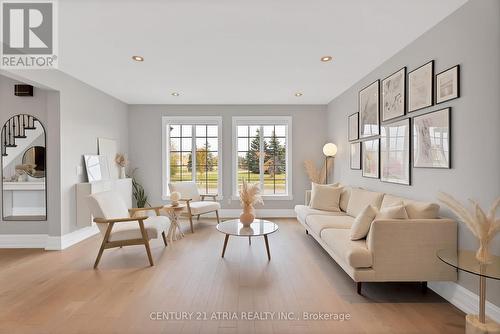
column 247, row 216
column 483, row 254
column 122, row 173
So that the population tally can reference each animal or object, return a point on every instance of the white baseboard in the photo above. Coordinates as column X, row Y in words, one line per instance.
column 464, row 299
column 23, row 240
column 69, row 239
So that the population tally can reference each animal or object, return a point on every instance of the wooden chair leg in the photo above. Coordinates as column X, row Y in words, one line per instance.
column 198, row 218
column 103, row 245
column 358, row 287
column 164, row 238
column 146, row 242
column 191, row 222
column 217, row 215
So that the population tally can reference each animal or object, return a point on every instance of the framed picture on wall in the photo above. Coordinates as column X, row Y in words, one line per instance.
column 353, row 127
column 368, row 107
column 394, row 95
column 448, row 84
column 370, row 158
column 395, row 152
column 355, row 161
column 420, row 87
column 431, row 140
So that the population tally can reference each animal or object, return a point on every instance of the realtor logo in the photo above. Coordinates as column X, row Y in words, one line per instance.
column 28, row 35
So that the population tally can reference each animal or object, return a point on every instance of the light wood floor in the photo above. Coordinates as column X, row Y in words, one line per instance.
column 59, row 292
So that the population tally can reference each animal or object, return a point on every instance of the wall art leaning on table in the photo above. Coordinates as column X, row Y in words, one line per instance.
column 395, row 152
column 431, row 139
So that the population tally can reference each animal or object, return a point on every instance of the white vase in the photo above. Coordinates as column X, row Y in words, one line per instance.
column 247, row 217
column 122, row 173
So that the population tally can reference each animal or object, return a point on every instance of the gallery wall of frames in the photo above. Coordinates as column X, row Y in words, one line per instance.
column 386, row 135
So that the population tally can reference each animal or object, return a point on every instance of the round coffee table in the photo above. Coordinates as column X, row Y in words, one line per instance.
column 259, row 227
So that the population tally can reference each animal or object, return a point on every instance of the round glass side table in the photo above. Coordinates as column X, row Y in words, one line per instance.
column 465, row 260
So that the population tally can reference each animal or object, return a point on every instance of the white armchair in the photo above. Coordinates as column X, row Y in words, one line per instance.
column 109, row 209
column 195, row 203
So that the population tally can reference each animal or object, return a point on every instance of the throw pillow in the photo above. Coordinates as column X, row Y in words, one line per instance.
column 325, row 197
column 362, row 222
column 395, row 211
column 422, row 210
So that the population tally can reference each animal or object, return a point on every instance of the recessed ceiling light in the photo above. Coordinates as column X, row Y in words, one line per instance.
column 175, row 94
column 298, row 94
column 138, row 58
column 326, row 58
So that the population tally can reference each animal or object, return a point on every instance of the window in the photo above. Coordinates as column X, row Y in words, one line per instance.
column 262, row 154
column 191, row 150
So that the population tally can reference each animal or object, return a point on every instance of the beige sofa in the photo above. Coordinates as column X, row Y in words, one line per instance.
column 394, row 250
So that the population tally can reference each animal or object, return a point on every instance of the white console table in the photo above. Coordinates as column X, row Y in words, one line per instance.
column 121, row 186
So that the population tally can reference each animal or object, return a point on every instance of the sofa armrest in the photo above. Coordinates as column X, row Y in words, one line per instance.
column 307, row 198
column 407, row 248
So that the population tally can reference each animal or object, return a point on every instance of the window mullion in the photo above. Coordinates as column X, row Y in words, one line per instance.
column 193, row 153
column 261, row 157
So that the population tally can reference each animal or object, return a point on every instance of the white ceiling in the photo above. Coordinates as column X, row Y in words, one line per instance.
column 235, row 51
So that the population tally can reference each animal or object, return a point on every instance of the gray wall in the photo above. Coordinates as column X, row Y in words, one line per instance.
column 85, row 114
column 308, row 126
column 469, row 37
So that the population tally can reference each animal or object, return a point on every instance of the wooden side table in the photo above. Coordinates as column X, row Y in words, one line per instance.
column 173, row 212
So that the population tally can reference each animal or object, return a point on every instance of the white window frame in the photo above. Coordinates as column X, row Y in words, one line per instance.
column 188, row 120
column 263, row 120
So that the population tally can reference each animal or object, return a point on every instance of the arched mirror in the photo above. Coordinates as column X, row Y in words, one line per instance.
column 24, row 186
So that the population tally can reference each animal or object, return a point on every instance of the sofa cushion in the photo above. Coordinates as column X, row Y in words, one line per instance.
column 303, row 211
column 422, row 210
column 355, row 253
column 325, row 197
column 361, row 224
column 344, row 198
column 360, row 199
column 415, row 209
column 395, row 211
column 318, row 223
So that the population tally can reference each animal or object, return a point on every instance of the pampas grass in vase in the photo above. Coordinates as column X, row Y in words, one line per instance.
column 249, row 196
column 484, row 227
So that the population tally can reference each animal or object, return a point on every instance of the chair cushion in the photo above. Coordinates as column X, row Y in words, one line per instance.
column 187, row 190
column 355, row 253
column 131, row 230
column 414, row 209
column 303, row 211
column 107, row 205
column 325, row 197
column 361, row 198
column 201, row 207
column 319, row 223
